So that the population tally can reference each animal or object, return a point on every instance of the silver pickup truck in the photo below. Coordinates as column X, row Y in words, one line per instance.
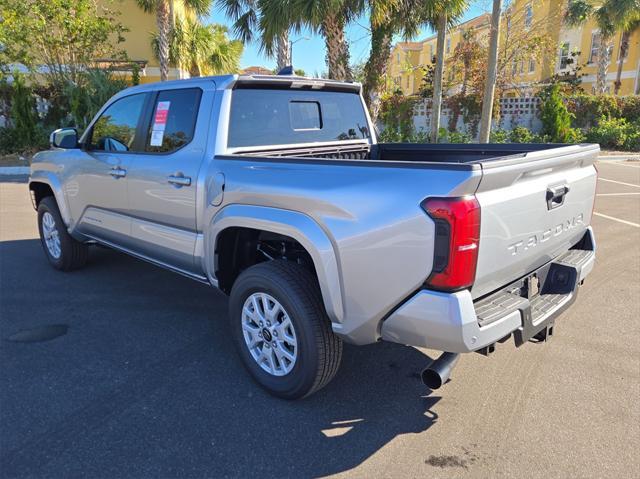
column 274, row 190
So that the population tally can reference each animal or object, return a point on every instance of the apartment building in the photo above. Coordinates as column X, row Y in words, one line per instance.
column 521, row 19
column 408, row 59
column 137, row 43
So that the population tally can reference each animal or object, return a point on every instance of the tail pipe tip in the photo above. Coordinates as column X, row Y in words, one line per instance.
column 438, row 372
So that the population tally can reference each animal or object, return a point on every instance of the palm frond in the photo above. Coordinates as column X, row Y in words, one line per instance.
column 578, row 11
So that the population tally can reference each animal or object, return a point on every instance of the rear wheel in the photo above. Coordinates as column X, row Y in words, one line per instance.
column 63, row 252
column 282, row 331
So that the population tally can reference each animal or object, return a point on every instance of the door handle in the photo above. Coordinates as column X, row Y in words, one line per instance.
column 118, row 172
column 179, row 180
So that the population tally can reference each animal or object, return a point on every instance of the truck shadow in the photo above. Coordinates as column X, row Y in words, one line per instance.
column 147, row 383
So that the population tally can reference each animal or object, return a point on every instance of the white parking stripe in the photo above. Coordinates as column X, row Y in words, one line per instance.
column 619, row 182
column 621, row 163
column 617, row 219
column 616, row 194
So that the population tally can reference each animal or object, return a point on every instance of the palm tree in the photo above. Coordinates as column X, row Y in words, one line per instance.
column 329, row 18
column 624, row 49
column 440, row 17
column 249, row 20
column 390, row 17
column 626, row 16
column 492, row 70
column 202, row 49
column 386, row 18
column 610, row 16
column 163, row 10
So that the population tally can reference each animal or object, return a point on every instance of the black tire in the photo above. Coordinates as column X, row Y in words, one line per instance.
column 73, row 254
column 319, row 349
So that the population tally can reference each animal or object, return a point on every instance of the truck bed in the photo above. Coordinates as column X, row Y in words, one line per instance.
column 461, row 154
column 526, row 221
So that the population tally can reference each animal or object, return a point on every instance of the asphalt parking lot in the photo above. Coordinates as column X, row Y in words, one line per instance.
column 145, row 383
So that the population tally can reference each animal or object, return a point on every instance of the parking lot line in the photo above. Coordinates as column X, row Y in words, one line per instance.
column 617, row 219
column 617, row 194
column 620, row 163
column 619, row 182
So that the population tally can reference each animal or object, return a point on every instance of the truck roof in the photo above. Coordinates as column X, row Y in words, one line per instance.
column 223, row 82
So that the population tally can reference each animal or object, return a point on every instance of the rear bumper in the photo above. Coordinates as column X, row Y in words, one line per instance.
column 454, row 322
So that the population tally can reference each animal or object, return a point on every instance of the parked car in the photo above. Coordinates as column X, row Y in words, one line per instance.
column 274, row 190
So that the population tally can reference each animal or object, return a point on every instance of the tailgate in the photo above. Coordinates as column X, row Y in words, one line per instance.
column 533, row 208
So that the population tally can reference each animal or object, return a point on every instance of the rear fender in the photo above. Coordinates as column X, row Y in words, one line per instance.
column 296, row 225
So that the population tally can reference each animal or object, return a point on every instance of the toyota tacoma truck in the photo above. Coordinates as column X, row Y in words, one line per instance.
column 274, row 190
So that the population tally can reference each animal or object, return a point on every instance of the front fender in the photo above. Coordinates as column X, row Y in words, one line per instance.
column 50, row 179
column 298, row 226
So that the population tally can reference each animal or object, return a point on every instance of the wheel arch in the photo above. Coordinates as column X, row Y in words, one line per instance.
column 43, row 184
column 297, row 226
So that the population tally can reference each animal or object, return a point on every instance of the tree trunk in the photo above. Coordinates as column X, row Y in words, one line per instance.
column 492, row 68
column 284, row 53
column 337, row 47
column 624, row 48
column 604, row 59
column 375, row 69
column 194, row 70
column 163, row 21
column 436, row 105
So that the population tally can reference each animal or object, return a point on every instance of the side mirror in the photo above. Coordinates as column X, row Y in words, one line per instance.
column 64, row 138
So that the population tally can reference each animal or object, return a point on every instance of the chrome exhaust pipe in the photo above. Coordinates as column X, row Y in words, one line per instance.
column 438, row 372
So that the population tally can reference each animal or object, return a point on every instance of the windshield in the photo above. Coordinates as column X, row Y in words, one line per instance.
column 262, row 117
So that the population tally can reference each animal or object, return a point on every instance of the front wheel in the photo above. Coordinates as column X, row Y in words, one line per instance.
column 282, row 331
column 62, row 251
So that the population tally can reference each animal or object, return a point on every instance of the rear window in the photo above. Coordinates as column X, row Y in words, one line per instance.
column 280, row 117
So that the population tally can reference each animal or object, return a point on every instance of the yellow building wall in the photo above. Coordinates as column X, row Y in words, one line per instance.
column 137, row 41
column 547, row 17
column 630, row 65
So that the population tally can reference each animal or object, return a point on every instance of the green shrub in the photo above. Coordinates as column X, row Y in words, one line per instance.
column 556, row 119
column 459, row 137
column 499, row 136
column 520, row 134
column 630, row 108
column 396, row 114
column 588, row 109
column 615, row 133
column 24, row 114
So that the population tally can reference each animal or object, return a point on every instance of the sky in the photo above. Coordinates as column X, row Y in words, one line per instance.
column 309, row 55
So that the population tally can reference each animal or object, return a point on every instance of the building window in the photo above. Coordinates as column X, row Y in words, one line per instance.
column 397, row 81
column 528, row 15
column 408, row 80
column 532, row 65
column 595, row 47
column 432, row 53
column 521, row 66
column 448, row 50
column 398, row 58
column 564, row 55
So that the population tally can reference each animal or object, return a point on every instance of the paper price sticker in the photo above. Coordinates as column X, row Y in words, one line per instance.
column 159, row 123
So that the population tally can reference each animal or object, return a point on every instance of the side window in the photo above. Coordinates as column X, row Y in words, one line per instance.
column 115, row 130
column 173, row 121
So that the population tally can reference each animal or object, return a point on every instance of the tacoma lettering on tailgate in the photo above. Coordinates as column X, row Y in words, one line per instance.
column 545, row 235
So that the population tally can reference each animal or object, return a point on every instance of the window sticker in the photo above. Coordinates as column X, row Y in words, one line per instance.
column 159, row 123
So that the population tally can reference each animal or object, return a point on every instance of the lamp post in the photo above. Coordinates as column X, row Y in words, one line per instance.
column 291, row 43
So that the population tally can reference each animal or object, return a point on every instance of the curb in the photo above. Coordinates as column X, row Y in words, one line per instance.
column 629, row 157
column 14, row 170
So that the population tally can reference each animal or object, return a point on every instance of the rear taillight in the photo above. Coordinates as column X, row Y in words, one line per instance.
column 457, row 236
